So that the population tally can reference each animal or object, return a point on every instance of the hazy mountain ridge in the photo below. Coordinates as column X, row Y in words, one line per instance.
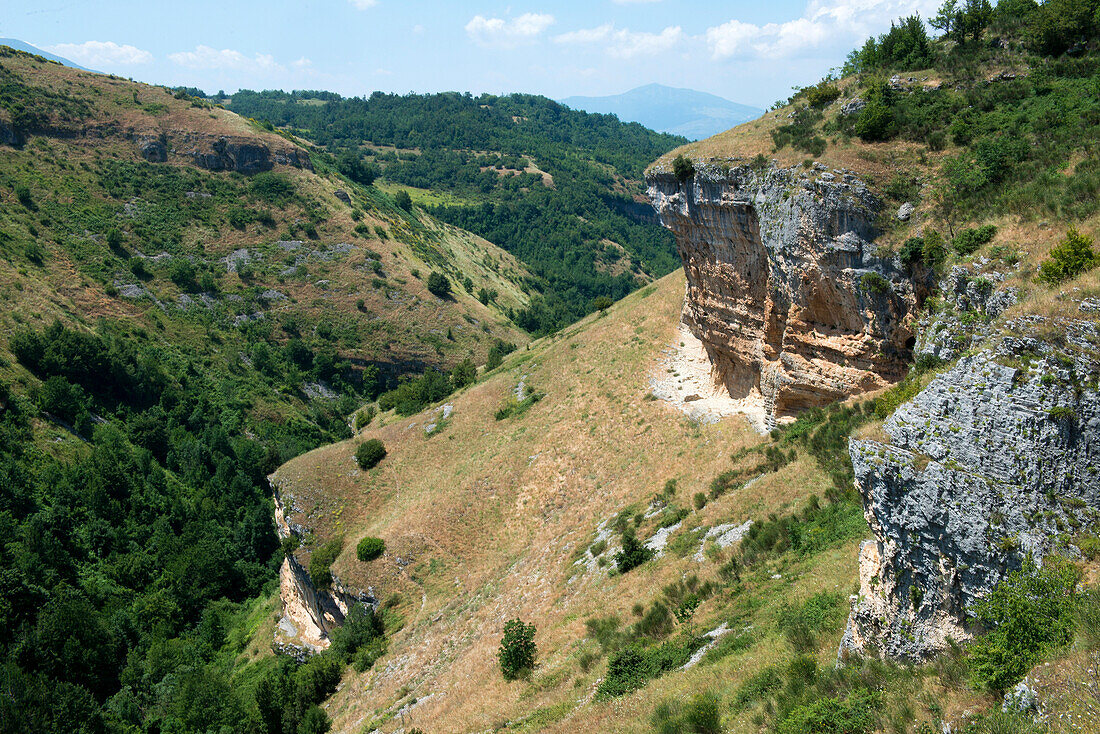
column 687, row 112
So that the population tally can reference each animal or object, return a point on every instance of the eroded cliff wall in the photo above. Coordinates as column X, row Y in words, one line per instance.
column 309, row 614
column 997, row 459
column 787, row 290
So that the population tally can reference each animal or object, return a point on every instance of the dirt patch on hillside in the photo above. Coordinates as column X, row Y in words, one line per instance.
column 683, row 379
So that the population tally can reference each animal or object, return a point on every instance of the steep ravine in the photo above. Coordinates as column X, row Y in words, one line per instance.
column 787, row 289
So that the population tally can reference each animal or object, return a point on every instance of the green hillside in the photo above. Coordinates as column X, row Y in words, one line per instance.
column 559, row 189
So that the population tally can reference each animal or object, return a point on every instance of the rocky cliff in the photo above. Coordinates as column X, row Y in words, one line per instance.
column 997, row 459
column 794, row 302
column 309, row 614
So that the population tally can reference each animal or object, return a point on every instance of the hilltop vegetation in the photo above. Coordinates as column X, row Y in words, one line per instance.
column 558, row 189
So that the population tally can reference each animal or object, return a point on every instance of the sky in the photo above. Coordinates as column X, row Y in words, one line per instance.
column 749, row 52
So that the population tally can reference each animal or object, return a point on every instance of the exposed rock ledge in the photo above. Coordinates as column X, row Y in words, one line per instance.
column 309, row 615
column 996, row 459
column 786, row 288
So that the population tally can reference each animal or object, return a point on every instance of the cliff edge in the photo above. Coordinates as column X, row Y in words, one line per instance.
column 794, row 302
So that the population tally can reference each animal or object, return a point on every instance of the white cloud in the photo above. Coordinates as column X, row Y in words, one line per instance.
column 625, row 44
column 363, row 4
column 204, row 57
column 826, row 23
column 302, row 63
column 508, row 33
column 101, row 53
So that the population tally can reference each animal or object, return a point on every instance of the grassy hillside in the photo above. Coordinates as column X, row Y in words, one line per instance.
column 559, row 189
column 519, row 510
column 520, row 514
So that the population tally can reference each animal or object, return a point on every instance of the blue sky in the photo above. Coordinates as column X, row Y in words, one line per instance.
column 750, row 52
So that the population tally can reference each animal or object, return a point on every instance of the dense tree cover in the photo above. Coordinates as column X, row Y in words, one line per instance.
column 128, row 562
column 1015, row 133
column 482, row 149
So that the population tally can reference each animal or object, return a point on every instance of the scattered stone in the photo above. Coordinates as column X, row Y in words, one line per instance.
column 659, row 540
column 342, row 196
column 905, row 211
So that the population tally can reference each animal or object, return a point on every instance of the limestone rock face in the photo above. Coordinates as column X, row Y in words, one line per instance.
column 786, row 288
column 993, row 461
column 309, row 614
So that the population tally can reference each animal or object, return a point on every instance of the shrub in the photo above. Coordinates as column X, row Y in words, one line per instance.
column 969, row 240
column 114, row 238
column 274, row 188
column 24, row 195
column 364, row 417
column 700, row 500
column 683, row 168
column 700, row 716
column 517, row 649
column 183, row 273
column 370, row 548
column 370, row 453
column 439, row 285
column 463, row 374
column 1029, row 613
column 1069, row 258
column 320, row 563
column 850, row 716
column 633, row 666
column 933, row 251
column 602, row 303
column 403, row 200
column 361, row 628
column 633, row 553
column 821, row 95
column 875, row 284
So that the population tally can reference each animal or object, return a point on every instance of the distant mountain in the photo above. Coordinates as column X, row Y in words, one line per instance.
column 23, row 46
column 695, row 115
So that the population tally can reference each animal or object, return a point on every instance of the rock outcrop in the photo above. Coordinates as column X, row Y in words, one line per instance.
column 997, row 459
column 219, row 153
column 309, row 614
column 786, row 288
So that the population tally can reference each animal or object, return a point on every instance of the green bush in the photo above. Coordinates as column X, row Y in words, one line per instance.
column 853, row 715
column 1069, row 258
column 463, row 374
column 320, row 563
column 1028, row 614
column 969, row 240
column 370, row 548
column 821, row 95
column 634, row 665
column 364, row 417
column 699, row 716
column 403, row 200
column 517, row 649
column 683, row 168
column 24, row 195
column 933, row 250
column 438, row 285
column 602, row 303
column 274, row 188
column 361, row 628
column 633, row 553
column 369, row 453
column 874, row 284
